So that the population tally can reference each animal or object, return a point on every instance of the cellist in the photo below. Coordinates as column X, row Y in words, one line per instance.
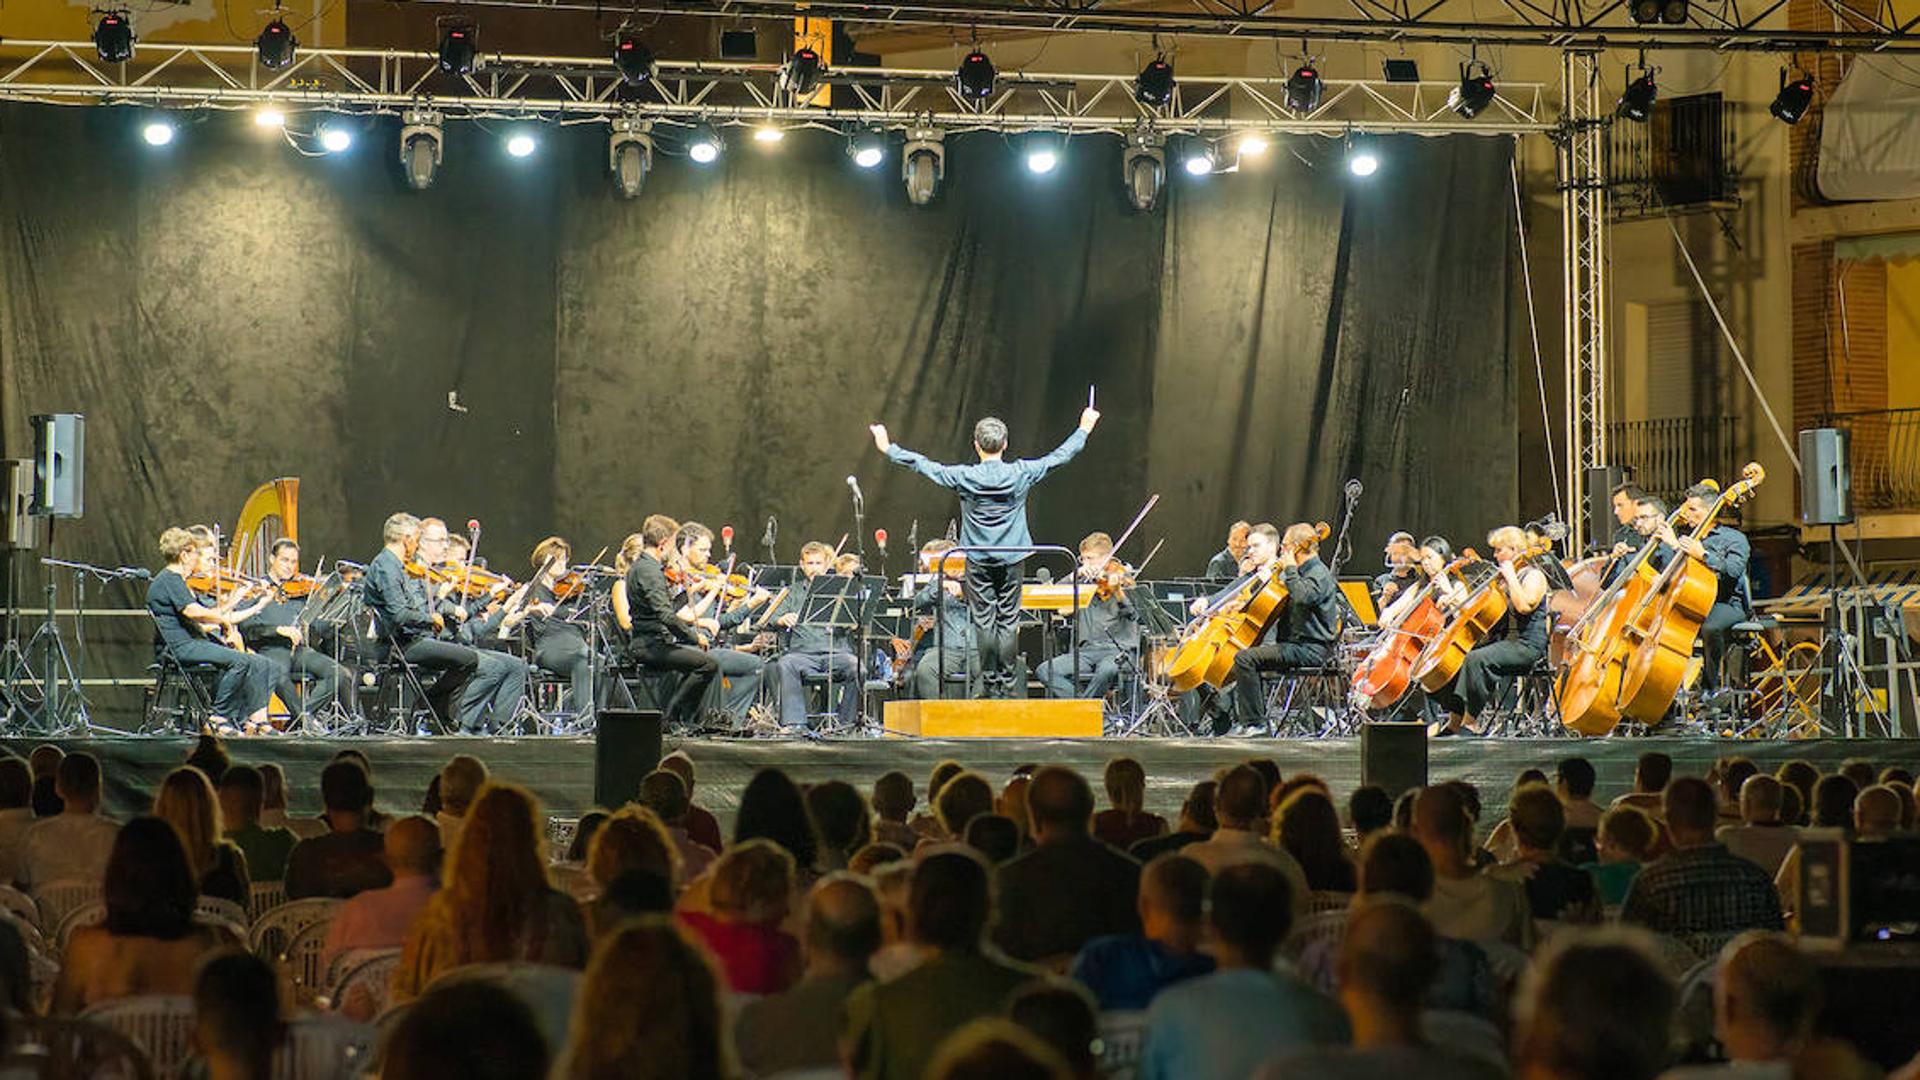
column 1513, row 649
column 1304, row 634
column 1726, row 551
column 1650, row 516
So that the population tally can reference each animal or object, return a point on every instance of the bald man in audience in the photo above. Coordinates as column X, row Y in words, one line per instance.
column 1240, row 808
column 380, row 918
column 798, row 1029
column 1876, row 813
column 665, row 793
column 1761, row 837
column 1125, row 971
column 1070, row 888
column 1765, row 1000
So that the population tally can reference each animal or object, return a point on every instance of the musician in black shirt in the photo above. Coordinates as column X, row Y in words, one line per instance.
column 559, row 643
column 275, row 633
column 1513, row 648
column 1109, row 631
column 741, row 672
column 1304, row 634
column 1401, row 574
column 1225, row 564
column 657, row 635
column 404, row 621
column 814, row 650
column 179, row 618
column 943, row 649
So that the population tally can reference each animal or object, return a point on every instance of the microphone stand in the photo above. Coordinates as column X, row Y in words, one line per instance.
column 859, row 523
column 1342, row 548
column 766, row 540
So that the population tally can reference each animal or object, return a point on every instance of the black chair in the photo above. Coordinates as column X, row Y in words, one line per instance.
column 1308, row 702
column 181, row 698
column 1525, row 705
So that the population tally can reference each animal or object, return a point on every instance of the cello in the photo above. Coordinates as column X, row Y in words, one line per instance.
column 1386, row 675
column 1664, row 627
column 1589, row 683
column 1235, row 621
column 1476, row 617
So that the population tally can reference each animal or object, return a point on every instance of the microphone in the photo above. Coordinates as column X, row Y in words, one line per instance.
column 880, row 540
column 1044, row 576
column 1353, row 490
column 855, row 485
column 726, row 536
column 140, row 572
column 473, row 525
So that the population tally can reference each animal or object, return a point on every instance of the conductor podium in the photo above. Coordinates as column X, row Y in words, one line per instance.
column 1016, row 719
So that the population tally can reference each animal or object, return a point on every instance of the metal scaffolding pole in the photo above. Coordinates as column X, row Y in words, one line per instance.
column 1583, row 220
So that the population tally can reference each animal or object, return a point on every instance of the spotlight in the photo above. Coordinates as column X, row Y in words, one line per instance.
column 1671, row 12
column 1793, row 100
column 1475, row 91
column 704, row 144
column 1303, row 89
column 1197, row 156
column 1361, row 160
column 1143, row 168
column 1154, row 85
column 521, row 144
column 768, row 134
column 157, row 132
column 113, row 37
column 1674, row 12
column 633, row 59
column 867, row 149
column 275, row 45
column 335, row 140
column 422, row 139
column 1043, row 152
column 269, row 117
column 1251, row 144
column 1636, row 103
column 974, row 78
column 458, row 47
column 630, row 156
column 923, row 163
column 801, row 74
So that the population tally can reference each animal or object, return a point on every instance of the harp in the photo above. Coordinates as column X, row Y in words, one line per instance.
column 271, row 512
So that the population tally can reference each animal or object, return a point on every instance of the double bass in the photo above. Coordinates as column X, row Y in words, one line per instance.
column 1665, row 625
column 1476, row 617
column 1234, row 622
column 1386, row 675
column 1588, row 688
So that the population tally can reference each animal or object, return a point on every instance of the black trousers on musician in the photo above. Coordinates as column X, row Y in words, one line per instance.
column 993, row 599
column 455, row 666
column 246, row 679
column 1713, row 642
column 1249, row 698
column 1478, row 681
column 1099, row 671
column 331, row 680
column 567, row 654
column 741, row 674
column 699, row 667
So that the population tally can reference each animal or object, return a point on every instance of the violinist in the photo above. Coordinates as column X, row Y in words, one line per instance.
column 559, row 644
column 275, row 634
column 1109, row 627
column 740, row 672
column 407, row 624
column 658, row 636
column 1513, row 648
column 1225, row 564
column 1402, row 572
column 814, row 650
column 1303, row 637
column 953, row 638
column 849, row 564
column 500, row 680
column 1726, row 551
column 246, row 679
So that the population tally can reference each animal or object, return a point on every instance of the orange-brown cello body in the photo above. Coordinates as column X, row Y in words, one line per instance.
column 1208, row 648
column 1386, row 675
column 1440, row 661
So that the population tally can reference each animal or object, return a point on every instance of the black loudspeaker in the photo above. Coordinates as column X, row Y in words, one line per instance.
column 626, row 747
column 1601, row 524
column 59, row 464
column 1393, row 756
column 1826, row 484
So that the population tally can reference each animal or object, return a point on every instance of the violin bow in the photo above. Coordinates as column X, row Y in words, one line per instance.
column 1152, row 501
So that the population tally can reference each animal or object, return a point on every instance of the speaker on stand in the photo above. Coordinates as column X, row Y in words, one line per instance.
column 1826, row 498
column 626, row 747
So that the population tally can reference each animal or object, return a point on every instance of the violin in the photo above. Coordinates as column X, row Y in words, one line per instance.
column 299, row 586
column 220, row 581
column 473, row 581
column 1113, row 579
column 731, row 586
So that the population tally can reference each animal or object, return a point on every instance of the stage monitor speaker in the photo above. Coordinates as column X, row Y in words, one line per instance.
column 626, row 747
column 59, row 464
column 1393, row 756
column 1826, row 483
column 1600, row 520
column 17, row 527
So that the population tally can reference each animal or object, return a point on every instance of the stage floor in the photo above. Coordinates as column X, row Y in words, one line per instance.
column 560, row 770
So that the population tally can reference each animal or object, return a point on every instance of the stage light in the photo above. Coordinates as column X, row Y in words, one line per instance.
column 521, row 144
column 768, row 134
column 704, row 145
column 1143, row 167
column 1361, row 160
column 1475, row 92
column 630, row 156
column 1303, row 89
column 867, row 149
column 422, row 140
column 633, row 59
column 1197, row 156
column 801, row 74
column 1793, row 100
column 335, row 140
column 1671, row 12
column 1674, row 12
column 275, row 45
column 458, row 47
column 1636, row 103
column 269, row 117
column 923, row 163
column 1154, row 85
column 1042, row 152
column 157, row 132
column 113, row 37
column 1251, row 144
column 974, row 78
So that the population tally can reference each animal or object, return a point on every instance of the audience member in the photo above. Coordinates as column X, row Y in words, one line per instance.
column 273, row 805
column 1876, row 813
column 649, row 1009
column 1466, row 903
column 1125, row 971
column 840, row 815
column 1308, row 828
column 1833, row 797
column 994, row 836
column 1597, row 1005
column 1801, row 776
column 893, row 801
column 1012, row 804
column 583, row 830
column 1650, row 776
column 772, row 808
column 1728, row 776
column 752, row 887
column 149, row 942
column 799, row 1028
column 210, row 757
column 370, row 814
column 16, row 814
column 1389, row 959
column 963, row 796
column 1061, row 1015
column 1239, row 805
column 74, row 844
column 236, row 1016
column 1700, row 892
column 1227, row 1023
column 1070, row 888
column 1860, row 771
column 1126, row 822
column 242, row 796
column 1766, row 996
column 1793, row 809
column 1196, row 824
column 380, row 918
column 1573, row 781
column 495, row 904
column 702, row 826
column 44, row 764
column 926, row 826
column 460, row 780
column 186, row 802
column 1624, row 845
column 663, row 792
column 470, row 1028
column 1557, row 891
column 991, row 1048
column 868, row 860
column 347, row 859
column 631, row 842
column 1369, row 810
column 894, row 1027
column 1761, row 838
column 894, row 885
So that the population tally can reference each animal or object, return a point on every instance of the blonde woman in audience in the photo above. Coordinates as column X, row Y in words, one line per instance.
column 186, row 801
column 495, row 904
column 632, row 868
column 649, row 1009
column 752, row 894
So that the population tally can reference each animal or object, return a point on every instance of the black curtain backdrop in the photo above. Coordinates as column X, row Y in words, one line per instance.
column 225, row 310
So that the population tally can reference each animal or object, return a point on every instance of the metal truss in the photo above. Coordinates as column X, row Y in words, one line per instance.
column 1583, row 219
column 1716, row 25
column 586, row 88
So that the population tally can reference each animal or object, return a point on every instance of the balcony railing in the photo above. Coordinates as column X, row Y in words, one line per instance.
column 1884, row 453
column 1666, row 457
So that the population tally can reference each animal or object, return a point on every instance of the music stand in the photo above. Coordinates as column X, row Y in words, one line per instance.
column 840, row 605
